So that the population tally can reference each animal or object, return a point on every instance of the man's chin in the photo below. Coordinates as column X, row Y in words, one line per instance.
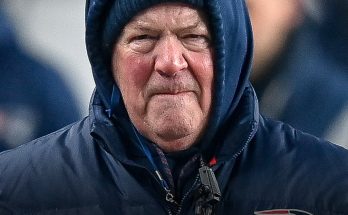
column 175, row 145
column 175, row 138
column 173, row 132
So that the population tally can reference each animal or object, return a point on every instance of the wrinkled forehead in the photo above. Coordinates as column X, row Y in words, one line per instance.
column 173, row 15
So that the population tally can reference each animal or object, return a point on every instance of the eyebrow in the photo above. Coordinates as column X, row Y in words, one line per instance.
column 148, row 26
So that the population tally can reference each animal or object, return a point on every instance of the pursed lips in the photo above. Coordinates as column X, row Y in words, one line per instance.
column 174, row 87
column 169, row 91
column 173, row 92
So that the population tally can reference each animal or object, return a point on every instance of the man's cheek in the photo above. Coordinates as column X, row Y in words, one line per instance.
column 138, row 70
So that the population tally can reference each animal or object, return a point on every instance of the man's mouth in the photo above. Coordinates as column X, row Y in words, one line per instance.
column 181, row 85
column 169, row 91
column 177, row 92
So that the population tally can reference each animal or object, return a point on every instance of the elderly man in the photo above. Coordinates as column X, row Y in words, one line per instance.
column 174, row 126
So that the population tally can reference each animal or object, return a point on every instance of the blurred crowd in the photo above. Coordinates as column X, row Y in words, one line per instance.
column 34, row 98
column 300, row 74
column 300, row 70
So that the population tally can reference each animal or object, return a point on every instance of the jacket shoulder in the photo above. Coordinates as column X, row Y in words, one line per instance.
column 290, row 163
column 48, row 166
column 285, row 136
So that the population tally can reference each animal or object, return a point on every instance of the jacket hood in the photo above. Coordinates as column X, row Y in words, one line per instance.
column 232, row 40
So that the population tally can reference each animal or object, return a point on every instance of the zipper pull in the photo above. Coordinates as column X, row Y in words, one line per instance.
column 170, row 197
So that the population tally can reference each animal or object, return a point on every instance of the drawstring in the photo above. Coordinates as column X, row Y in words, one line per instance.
column 166, row 167
column 114, row 101
column 146, row 150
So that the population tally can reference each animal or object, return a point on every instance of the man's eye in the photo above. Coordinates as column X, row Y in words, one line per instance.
column 142, row 43
column 143, row 37
column 196, row 41
column 194, row 36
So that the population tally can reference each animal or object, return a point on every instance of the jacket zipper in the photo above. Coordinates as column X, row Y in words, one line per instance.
column 186, row 195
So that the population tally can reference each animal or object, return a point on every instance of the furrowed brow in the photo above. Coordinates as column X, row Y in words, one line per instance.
column 198, row 25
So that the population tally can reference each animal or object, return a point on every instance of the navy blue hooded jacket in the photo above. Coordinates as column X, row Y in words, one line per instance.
column 96, row 165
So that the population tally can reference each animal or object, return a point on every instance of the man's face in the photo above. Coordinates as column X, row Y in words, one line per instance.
column 163, row 65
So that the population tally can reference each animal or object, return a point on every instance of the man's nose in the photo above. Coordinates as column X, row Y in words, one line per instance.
column 169, row 57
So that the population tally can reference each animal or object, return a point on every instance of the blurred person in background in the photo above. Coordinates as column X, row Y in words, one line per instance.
column 334, row 38
column 34, row 99
column 298, row 71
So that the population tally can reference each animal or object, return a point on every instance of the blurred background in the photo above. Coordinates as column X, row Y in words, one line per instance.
column 45, row 81
column 300, row 69
column 53, row 31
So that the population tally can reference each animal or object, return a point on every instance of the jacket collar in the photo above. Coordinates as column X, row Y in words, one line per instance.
column 239, row 128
